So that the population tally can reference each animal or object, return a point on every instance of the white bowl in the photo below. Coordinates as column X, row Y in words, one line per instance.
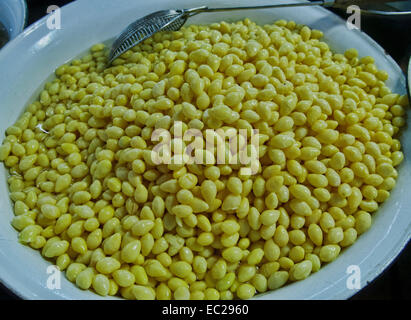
column 13, row 15
column 33, row 56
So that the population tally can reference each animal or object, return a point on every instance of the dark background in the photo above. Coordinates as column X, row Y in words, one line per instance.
column 392, row 35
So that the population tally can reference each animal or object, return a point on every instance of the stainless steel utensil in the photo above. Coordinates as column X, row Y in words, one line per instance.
column 173, row 20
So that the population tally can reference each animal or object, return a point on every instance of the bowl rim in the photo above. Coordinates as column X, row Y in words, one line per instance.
column 26, row 16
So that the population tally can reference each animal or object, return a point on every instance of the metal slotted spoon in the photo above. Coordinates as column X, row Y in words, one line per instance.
column 173, row 20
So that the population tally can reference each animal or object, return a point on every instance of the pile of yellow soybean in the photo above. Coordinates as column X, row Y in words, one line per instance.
column 88, row 196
